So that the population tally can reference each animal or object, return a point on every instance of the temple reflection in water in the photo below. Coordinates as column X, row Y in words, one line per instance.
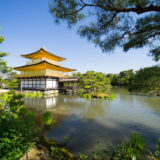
column 43, row 103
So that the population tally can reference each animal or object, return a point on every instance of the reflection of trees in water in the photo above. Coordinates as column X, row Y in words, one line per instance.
column 88, row 108
column 149, row 101
column 74, row 102
column 118, row 90
column 125, row 97
column 93, row 111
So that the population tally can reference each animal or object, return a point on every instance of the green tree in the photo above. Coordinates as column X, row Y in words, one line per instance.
column 17, row 128
column 11, row 84
column 146, row 80
column 114, row 80
column 4, row 68
column 76, row 74
column 93, row 82
column 3, row 64
column 113, row 23
column 110, row 76
column 121, row 79
column 125, row 77
column 12, row 75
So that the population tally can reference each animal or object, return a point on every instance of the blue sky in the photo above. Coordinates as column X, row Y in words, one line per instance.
column 27, row 26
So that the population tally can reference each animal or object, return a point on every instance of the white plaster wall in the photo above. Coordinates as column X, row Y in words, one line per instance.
column 52, row 83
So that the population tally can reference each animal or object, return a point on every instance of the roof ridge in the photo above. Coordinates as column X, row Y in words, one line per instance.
column 23, row 55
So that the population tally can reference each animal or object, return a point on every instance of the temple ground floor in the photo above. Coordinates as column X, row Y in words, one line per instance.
column 39, row 83
column 51, row 84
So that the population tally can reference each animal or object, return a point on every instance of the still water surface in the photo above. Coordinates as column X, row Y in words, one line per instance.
column 92, row 122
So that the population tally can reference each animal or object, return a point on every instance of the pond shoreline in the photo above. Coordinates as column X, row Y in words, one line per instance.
column 123, row 115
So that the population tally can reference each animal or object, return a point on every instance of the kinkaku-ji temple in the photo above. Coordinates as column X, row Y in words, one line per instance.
column 43, row 72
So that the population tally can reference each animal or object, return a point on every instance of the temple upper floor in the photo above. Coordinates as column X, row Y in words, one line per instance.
column 42, row 63
column 34, row 61
column 41, row 53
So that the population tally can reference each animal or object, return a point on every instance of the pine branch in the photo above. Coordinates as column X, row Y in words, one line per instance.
column 138, row 9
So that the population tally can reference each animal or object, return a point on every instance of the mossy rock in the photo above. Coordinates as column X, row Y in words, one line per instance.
column 48, row 143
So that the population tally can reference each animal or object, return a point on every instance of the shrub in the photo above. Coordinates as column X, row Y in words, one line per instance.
column 136, row 141
column 17, row 128
column 17, row 135
column 129, row 150
column 82, row 156
column 88, row 96
column 103, row 97
column 84, row 96
column 157, row 153
column 132, row 149
column 81, row 94
column 158, row 149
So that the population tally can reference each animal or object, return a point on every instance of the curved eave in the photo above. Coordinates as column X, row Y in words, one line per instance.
column 42, row 53
column 43, row 65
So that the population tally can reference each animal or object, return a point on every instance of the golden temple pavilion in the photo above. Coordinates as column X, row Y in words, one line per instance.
column 42, row 72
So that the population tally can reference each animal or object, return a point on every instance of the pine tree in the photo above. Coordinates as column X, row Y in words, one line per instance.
column 113, row 23
column 3, row 64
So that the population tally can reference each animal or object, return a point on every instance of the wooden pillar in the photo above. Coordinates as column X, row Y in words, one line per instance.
column 21, row 84
column 45, row 83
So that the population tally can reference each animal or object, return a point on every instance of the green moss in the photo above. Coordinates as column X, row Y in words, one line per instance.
column 56, row 151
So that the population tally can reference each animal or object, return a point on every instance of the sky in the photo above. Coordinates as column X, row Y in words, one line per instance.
column 27, row 25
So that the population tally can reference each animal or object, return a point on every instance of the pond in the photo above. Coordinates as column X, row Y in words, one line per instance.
column 88, row 123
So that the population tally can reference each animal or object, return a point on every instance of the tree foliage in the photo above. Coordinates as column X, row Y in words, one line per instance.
column 146, row 80
column 93, row 82
column 17, row 129
column 121, row 79
column 11, row 82
column 3, row 64
column 112, row 23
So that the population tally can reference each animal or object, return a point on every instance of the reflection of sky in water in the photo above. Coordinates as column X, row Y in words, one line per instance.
column 95, row 120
